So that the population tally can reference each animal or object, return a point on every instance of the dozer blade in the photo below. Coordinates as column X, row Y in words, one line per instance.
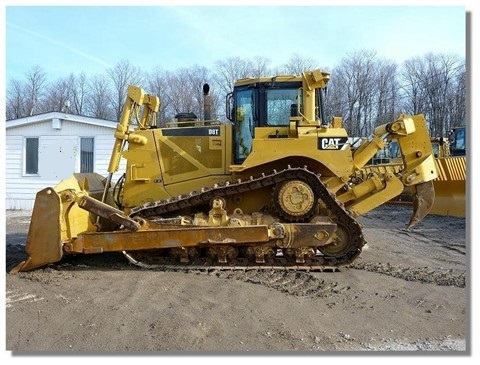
column 44, row 244
column 423, row 199
column 450, row 186
column 57, row 219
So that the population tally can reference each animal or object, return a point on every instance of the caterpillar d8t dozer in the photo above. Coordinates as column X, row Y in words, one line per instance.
column 275, row 187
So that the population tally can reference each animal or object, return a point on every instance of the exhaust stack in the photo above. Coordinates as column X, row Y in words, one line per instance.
column 207, row 102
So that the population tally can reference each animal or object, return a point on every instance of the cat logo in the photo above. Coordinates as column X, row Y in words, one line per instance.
column 332, row 143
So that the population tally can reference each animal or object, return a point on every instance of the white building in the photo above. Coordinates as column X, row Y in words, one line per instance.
column 43, row 149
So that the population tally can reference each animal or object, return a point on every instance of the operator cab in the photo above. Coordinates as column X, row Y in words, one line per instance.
column 457, row 141
column 261, row 103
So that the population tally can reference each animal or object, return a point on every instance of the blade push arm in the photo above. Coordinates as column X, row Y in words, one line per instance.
column 418, row 170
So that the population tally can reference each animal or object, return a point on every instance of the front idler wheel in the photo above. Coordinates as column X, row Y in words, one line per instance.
column 340, row 245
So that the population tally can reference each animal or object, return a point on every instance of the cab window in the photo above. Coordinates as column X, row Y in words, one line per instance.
column 245, row 124
column 280, row 103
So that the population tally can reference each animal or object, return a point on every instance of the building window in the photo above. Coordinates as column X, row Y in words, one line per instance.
column 31, row 156
column 86, row 154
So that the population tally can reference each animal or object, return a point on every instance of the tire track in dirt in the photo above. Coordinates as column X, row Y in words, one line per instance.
column 307, row 285
column 427, row 275
column 292, row 283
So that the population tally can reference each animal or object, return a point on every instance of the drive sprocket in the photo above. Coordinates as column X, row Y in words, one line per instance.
column 295, row 201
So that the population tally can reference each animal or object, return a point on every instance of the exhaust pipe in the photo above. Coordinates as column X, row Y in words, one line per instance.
column 207, row 102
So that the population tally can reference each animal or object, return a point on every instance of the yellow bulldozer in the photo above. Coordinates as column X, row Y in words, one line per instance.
column 273, row 187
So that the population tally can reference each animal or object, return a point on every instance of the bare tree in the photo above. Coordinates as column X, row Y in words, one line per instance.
column 157, row 85
column 16, row 100
column 354, row 90
column 78, row 92
column 56, row 96
column 297, row 64
column 432, row 82
column 365, row 89
column 457, row 99
column 34, row 88
column 98, row 100
column 260, row 66
column 179, row 93
column 386, row 89
column 415, row 98
column 230, row 70
column 121, row 75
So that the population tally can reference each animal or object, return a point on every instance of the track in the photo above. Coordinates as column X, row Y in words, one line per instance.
column 279, row 264
column 348, row 249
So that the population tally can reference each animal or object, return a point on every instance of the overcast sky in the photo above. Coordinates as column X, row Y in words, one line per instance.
column 65, row 39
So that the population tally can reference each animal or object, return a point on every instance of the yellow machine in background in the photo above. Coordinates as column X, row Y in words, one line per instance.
column 450, row 185
column 275, row 187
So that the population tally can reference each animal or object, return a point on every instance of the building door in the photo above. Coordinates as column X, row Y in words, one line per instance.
column 57, row 157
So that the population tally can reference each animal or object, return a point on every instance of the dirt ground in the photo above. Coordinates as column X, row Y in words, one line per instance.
column 408, row 291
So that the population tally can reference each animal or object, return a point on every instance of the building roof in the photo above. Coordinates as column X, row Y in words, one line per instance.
column 39, row 118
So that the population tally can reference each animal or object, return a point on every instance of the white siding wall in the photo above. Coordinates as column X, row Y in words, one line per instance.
column 58, row 157
column 103, row 150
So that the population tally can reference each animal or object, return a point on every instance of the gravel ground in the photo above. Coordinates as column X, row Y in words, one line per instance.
column 407, row 293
